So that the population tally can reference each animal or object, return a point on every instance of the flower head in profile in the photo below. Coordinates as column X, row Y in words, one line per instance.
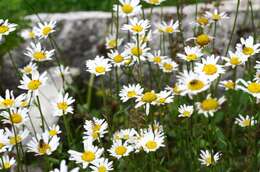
column 164, row 97
column 9, row 100
column 6, row 162
column 245, row 121
column 235, row 59
column 90, row 154
column 16, row 137
column 154, row 2
column 44, row 144
column 54, row 130
column 29, row 68
column 16, row 116
column 130, row 91
column 169, row 27
column 6, row 28
column 98, row 66
column 216, row 16
column 3, row 141
column 137, row 26
column 43, row 30
column 102, row 165
column 128, row 8
column 210, row 105
column 146, row 99
column 37, row 53
column 247, row 46
column 252, row 88
column 156, row 57
column 95, row 129
column 201, row 21
column 185, row 111
column 64, row 168
column 112, row 41
column 28, row 34
column 63, row 104
column 191, row 53
column 228, row 84
column 208, row 157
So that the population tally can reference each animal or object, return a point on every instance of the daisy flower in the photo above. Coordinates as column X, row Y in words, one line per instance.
column 54, row 130
column 9, row 101
column 6, row 28
column 128, row 135
column 156, row 58
column 201, row 21
column 235, row 59
column 17, row 117
column 6, row 162
column 95, row 128
column 185, row 111
column 208, row 158
column 64, row 168
column 146, row 99
column 128, row 8
column 246, row 121
column 37, row 53
column 14, row 139
column 151, row 141
column 137, row 26
column 98, row 66
column 170, row 27
column 62, row 71
column 34, row 82
column 168, row 66
column 209, row 67
column 28, row 34
column 90, row 154
column 43, row 30
column 102, row 165
column 249, row 87
column 28, row 69
column 247, row 46
column 154, row 2
column 120, row 149
column 227, row 84
column 3, row 141
column 117, row 59
column 202, row 39
column 257, row 76
column 175, row 89
column 191, row 53
column 130, row 91
column 191, row 83
column 210, row 105
column 164, row 97
column 112, row 43
column 216, row 16
column 44, row 144
column 136, row 52
column 63, row 105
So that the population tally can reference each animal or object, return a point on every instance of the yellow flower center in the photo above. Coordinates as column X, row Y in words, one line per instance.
column 168, row 66
column 102, row 168
column 151, row 145
column 246, row 122
column 127, row 8
column 161, row 100
column 34, row 84
column 1, row 145
column 43, row 148
column 216, row 17
column 254, row 87
column 62, row 106
column 186, row 113
column 88, row 156
column 248, row 50
column 202, row 21
column 176, row 89
column 7, row 102
column 208, row 160
column 203, row 39
column 235, row 60
column 16, row 118
column 4, row 29
column 154, row 1
column 157, row 59
column 195, row 85
column 27, row 69
column 118, row 58
column 128, row 61
column 46, row 30
column 100, row 69
column 149, row 97
column 136, row 51
column 191, row 57
column 230, row 85
column 137, row 28
column 14, row 140
column 209, row 104
column 120, row 150
column 169, row 29
column 112, row 43
column 7, row 165
column 53, row 133
column 31, row 35
column 39, row 55
column 210, row 69
column 131, row 94
column 96, row 127
column 24, row 103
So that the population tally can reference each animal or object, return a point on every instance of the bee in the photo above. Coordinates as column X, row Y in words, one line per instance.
column 41, row 143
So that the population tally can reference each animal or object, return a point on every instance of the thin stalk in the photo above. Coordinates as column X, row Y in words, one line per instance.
column 89, row 93
column 117, row 23
column 40, row 110
column 18, row 73
column 234, row 26
column 252, row 18
column 117, row 81
column 215, row 32
column 67, row 128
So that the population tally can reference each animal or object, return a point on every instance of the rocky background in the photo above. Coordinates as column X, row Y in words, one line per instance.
column 81, row 35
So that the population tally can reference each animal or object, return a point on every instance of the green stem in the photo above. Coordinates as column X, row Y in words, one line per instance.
column 89, row 93
column 40, row 110
column 67, row 128
column 215, row 32
column 252, row 17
